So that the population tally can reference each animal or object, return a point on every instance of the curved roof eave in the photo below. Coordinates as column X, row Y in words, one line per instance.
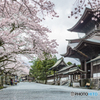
column 73, row 71
column 58, row 63
column 68, row 51
column 84, row 16
column 95, row 59
column 67, row 67
column 91, row 41
column 74, row 40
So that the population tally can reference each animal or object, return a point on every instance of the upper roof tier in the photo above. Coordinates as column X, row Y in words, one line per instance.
column 86, row 49
column 85, row 24
column 75, row 70
column 66, row 68
column 95, row 59
column 59, row 65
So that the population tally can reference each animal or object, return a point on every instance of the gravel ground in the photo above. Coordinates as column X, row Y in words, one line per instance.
column 36, row 91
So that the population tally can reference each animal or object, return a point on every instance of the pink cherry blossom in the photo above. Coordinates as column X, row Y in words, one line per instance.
column 80, row 5
column 21, row 31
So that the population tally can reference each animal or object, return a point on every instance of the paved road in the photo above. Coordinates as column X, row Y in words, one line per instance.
column 36, row 91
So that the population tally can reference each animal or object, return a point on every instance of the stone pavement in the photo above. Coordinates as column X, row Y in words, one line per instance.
column 36, row 91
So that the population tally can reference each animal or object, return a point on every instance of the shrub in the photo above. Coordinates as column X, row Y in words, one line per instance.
column 1, row 87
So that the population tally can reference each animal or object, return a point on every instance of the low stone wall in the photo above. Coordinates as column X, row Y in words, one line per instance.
column 76, row 84
column 50, row 81
column 84, row 81
column 94, row 83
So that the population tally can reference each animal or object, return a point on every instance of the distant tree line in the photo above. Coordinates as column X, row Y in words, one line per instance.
column 70, row 63
column 40, row 68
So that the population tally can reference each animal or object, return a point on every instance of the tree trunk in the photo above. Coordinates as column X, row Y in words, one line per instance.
column 45, row 78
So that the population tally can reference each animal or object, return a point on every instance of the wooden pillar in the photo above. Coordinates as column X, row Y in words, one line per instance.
column 85, row 67
column 74, row 76
column 60, row 80
column 54, row 77
column 80, row 76
column 77, row 77
column 27, row 78
column 82, row 68
column 71, row 77
column 91, row 70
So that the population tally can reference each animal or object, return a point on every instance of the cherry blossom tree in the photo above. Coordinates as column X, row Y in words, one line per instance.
column 15, row 67
column 22, row 30
column 80, row 5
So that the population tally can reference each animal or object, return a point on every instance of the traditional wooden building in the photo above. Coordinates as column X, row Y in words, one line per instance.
column 56, row 67
column 96, row 66
column 87, row 47
column 60, row 68
column 75, row 74
column 64, row 78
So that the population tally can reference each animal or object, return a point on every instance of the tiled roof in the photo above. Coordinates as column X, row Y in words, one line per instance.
column 58, row 63
column 97, row 58
column 67, row 67
column 74, row 70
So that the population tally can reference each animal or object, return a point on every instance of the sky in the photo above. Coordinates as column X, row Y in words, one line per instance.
column 59, row 27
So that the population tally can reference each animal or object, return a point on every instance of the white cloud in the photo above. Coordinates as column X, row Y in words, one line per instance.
column 59, row 26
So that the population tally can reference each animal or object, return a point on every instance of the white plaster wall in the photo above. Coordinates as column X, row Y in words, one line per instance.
column 64, row 79
column 96, row 75
column 51, row 80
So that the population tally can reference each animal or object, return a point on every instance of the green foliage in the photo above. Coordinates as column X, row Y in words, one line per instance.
column 1, row 87
column 79, row 66
column 69, row 63
column 40, row 68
